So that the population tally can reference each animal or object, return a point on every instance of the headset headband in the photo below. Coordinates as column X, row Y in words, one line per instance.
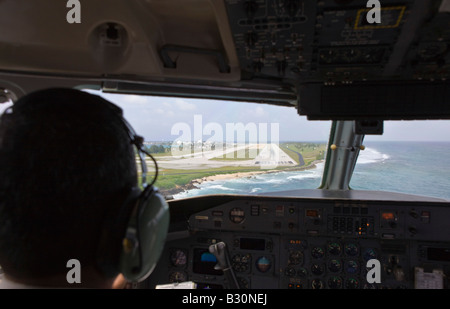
column 138, row 142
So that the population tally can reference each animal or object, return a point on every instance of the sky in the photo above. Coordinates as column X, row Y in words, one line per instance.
column 160, row 118
column 155, row 117
column 169, row 119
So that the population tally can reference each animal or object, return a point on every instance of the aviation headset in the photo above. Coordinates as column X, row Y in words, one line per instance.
column 146, row 229
column 132, row 239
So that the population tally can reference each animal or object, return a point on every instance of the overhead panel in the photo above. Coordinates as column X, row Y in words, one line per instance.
column 345, row 64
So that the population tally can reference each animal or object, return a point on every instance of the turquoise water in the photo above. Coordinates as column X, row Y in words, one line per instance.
column 418, row 168
column 421, row 168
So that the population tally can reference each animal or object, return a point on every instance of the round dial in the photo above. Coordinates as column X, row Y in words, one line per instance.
column 290, row 272
column 335, row 266
column 317, row 284
column 241, row 262
column 177, row 276
column 334, row 248
column 295, row 257
column 243, row 283
column 351, row 249
column 178, row 257
column 317, row 252
column 237, row 215
column 302, row 272
column 369, row 254
column 317, row 269
column 335, row 282
column 351, row 283
column 263, row 264
column 351, row 267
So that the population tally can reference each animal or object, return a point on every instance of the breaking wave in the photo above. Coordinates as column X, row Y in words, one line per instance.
column 370, row 155
column 255, row 184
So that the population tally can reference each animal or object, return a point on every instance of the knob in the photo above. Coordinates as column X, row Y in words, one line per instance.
column 412, row 230
column 291, row 272
column 414, row 214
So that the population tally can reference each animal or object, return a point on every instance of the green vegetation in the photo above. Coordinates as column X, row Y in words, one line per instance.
column 169, row 179
column 156, row 149
column 173, row 178
column 309, row 151
column 292, row 154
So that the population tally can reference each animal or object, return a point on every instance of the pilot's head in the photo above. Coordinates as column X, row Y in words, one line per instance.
column 65, row 163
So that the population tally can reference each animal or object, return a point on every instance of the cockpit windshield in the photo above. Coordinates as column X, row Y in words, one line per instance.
column 410, row 157
column 220, row 147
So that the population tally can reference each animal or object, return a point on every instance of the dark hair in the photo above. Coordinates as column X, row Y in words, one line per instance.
column 66, row 161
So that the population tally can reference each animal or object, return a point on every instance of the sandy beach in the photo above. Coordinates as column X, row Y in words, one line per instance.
column 269, row 158
column 194, row 184
column 229, row 176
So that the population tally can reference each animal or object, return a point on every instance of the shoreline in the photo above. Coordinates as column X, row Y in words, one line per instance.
column 195, row 183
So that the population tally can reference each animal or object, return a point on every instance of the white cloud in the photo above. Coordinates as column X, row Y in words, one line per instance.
column 184, row 105
column 260, row 112
column 154, row 116
column 134, row 99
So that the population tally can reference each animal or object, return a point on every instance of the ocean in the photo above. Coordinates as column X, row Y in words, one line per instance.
column 421, row 168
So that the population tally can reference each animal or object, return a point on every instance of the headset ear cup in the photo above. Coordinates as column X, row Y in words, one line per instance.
column 112, row 233
column 145, row 236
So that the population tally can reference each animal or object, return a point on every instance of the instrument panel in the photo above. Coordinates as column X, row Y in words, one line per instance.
column 334, row 41
column 303, row 243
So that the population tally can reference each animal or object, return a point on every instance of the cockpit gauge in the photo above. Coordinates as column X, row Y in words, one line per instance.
column 177, row 276
column 317, row 252
column 295, row 257
column 302, row 272
column 369, row 254
column 317, row 284
column 317, row 269
column 351, row 283
column 263, row 264
column 290, row 272
column 335, row 265
column 335, row 282
column 237, row 215
column 178, row 258
column 241, row 262
column 334, row 248
column 351, row 249
column 243, row 283
column 351, row 267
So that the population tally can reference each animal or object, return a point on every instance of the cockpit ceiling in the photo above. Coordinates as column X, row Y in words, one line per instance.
column 305, row 53
column 119, row 37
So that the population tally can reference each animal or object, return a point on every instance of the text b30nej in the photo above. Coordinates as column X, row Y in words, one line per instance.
column 373, row 276
column 228, row 298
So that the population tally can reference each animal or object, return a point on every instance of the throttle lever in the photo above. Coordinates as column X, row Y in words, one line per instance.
column 223, row 263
